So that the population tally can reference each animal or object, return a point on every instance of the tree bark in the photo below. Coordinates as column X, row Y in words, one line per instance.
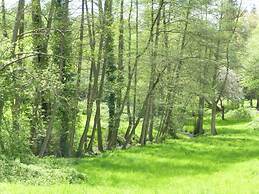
column 257, row 103
column 110, row 70
column 213, row 117
column 142, row 111
column 52, row 111
column 62, row 50
column 1, row 109
column 4, row 29
column 199, row 124
column 251, row 102
column 18, row 27
column 78, row 81
column 92, row 86
column 120, row 80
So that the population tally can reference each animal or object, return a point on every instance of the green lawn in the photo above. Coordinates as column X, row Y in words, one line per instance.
column 227, row 163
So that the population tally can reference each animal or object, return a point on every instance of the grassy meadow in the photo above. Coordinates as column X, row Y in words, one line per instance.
column 224, row 164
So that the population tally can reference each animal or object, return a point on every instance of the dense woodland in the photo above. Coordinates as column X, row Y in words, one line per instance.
column 114, row 74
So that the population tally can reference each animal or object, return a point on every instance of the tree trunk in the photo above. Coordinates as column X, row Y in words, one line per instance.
column 4, row 29
column 93, row 82
column 134, row 111
column 78, row 81
column 144, row 130
column 151, row 124
column 144, row 106
column 222, row 109
column 1, row 109
column 199, row 124
column 147, row 127
column 51, row 113
column 91, row 142
column 120, row 80
column 99, row 128
column 251, row 102
column 62, row 51
column 130, row 117
column 257, row 103
column 213, row 118
column 111, row 70
column 4, row 33
column 18, row 28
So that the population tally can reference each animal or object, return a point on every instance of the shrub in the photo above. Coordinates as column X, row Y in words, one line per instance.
column 240, row 114
column 254, row 124
column 37, row 174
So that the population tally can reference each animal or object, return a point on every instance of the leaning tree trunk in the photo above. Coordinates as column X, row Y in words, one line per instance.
column 93, row 83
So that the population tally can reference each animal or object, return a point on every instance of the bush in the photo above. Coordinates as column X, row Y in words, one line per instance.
column 37, row 174
column 240, row 114
column 254, row 124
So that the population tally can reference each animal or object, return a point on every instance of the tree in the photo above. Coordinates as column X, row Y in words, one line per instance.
column 62, row 50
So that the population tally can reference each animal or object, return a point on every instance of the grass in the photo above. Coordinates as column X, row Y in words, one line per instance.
column 224, row 164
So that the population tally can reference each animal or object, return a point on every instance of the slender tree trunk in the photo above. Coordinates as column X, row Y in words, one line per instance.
column 213, row 117
column 18, row 28
column 167, row 126
column 251, row 102
column 93, row 82
column 98, row 104
column 91, row 142
column 51, row 113
column 4, row 33
column 147, row 127
column 120, row 80
column 4, row 29
column 100, row 91
column 222, row 109
column 78, row 81
column 111, row 70
column 40, row 107
column 41, row 62
column 257, row 103
column 130, row 117
column 142, row 139
column 99, row 130
column 83, row 139
column 143, row 109
column 136, row 62
column 1, row 109
column 199, row 124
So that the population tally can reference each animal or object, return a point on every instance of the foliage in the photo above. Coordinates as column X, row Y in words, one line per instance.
column 227, row 163
column 240, row 114
column 232, row 88
column 38, row 173
column 120, row 73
